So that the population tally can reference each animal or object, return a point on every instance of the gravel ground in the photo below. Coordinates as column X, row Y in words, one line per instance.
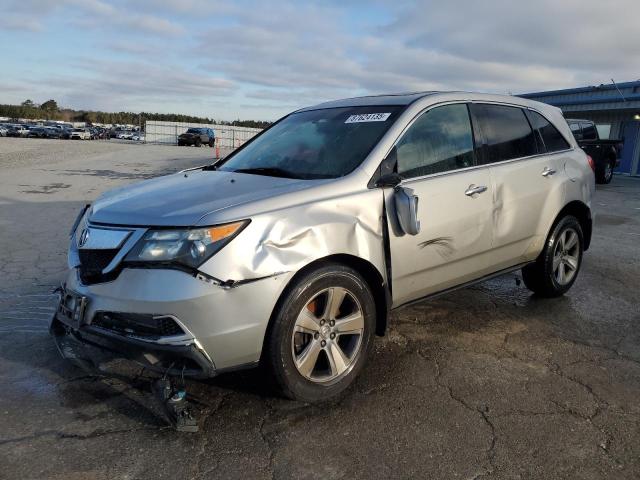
column 486, row 382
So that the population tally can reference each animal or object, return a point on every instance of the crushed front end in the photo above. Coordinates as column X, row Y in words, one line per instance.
column 170, row 318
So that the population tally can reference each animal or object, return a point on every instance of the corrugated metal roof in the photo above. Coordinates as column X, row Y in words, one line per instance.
column 621, row 96
column 592, row 88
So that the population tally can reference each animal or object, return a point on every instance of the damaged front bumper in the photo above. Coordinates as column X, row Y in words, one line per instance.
column 184, row 360
column 167, row 320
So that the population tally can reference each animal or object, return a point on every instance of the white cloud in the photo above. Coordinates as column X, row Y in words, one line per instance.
column 99, row 14
column 289, row 54
column 495, row 45
column 20, row 23
column 565, row 42
column 18, row 15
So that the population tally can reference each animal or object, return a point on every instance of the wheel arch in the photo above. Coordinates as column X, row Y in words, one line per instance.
column 583, row 213
column 369, row 272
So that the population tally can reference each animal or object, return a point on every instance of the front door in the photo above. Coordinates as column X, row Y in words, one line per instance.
column 436, row 160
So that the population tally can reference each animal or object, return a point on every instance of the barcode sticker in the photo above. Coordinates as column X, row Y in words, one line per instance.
column 368, row 117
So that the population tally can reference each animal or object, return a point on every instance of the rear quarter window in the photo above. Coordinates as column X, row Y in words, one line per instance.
column 552, row 138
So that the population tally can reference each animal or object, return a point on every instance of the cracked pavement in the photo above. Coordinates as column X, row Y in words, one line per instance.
column 487, row 382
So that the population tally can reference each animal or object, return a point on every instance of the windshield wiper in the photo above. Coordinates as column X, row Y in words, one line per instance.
column 268, row 171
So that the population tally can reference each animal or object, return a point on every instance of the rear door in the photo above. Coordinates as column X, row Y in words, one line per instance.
column 527, row 183
column 436, row 159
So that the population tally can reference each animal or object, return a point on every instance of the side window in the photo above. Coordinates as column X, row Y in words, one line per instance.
column 439, row 141
column 575, row 129
column 552, row 138
column 589, row 131
column 507, row 133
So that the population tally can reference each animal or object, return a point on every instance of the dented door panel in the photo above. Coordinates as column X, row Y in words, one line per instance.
column 454, row 241
column 525, row 203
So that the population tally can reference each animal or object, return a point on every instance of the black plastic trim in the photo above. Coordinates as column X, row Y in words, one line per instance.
column 464, row 285
column 134, row 349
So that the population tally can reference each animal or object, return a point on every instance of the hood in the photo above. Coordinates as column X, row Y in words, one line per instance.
column 188, row 134
column 182, row 199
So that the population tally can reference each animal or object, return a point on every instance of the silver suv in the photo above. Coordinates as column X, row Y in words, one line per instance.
column 292, row 250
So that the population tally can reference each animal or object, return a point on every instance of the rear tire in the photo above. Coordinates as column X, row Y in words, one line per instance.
column 557, row 267
column 604, row 175
column 322, row 333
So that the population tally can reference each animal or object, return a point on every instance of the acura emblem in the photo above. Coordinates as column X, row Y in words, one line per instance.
column 84, row 236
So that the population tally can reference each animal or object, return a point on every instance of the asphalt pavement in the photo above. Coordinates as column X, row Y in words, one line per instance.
column 486, row 382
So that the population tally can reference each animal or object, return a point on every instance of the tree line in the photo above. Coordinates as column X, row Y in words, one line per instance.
column 49, row 110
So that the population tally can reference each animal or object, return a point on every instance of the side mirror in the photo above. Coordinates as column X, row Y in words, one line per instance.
column 406, row 205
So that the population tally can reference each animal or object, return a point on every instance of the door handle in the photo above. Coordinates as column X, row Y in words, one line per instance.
column 547, row 172
column 473, row 189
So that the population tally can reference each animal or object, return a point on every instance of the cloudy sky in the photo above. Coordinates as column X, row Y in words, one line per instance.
column 261, row 59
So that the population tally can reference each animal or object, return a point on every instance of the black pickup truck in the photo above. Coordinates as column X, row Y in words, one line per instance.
column 605, row 153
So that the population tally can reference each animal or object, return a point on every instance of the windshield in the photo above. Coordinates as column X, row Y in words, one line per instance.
column 193, row 130
column 326, row 143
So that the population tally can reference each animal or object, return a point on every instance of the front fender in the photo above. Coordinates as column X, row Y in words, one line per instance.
column 288, row 239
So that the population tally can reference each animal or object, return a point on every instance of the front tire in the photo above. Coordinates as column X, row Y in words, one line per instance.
column 322, row 333
column 198, row 142
column 557, row 267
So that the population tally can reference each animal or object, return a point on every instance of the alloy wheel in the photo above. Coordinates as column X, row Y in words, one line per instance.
column 327, row 335
column 566, row 256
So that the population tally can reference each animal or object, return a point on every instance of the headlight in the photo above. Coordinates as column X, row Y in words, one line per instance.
column 190, row 248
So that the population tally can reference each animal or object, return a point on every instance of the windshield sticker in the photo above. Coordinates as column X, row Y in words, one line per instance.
column 368, row 117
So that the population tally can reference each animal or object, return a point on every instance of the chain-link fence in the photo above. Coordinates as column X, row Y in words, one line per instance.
column 228, row 137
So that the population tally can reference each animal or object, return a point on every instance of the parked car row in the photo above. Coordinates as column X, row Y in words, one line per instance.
column 66, row 132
